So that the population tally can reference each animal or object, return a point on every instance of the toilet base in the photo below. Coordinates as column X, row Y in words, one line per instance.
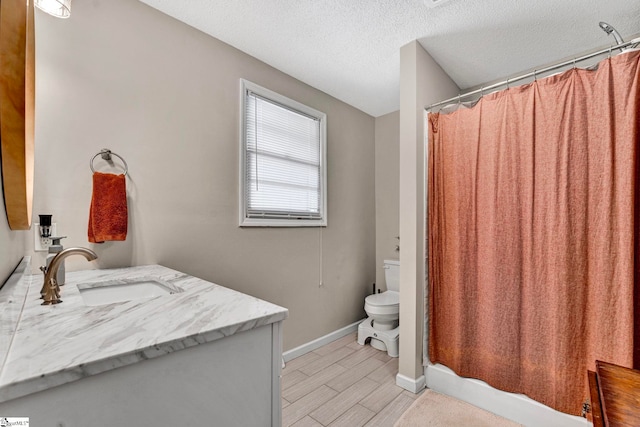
column 388, row 339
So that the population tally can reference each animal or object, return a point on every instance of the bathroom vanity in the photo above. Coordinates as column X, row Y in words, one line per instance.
column 197, row 354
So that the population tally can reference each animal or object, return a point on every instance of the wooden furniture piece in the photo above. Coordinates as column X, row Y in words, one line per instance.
column 615, row 396
column 17, row 100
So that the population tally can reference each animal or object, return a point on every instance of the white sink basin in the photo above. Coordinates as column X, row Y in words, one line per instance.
column 107, row 292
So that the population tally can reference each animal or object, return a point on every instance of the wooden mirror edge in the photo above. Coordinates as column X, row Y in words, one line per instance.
column 17, row 102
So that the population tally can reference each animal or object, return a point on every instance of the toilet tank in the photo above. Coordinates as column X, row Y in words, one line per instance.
column 392, row 274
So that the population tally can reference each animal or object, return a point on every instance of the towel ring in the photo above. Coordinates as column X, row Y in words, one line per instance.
column 106, row 154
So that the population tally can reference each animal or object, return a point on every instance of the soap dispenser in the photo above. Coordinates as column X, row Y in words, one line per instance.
column 54, row 248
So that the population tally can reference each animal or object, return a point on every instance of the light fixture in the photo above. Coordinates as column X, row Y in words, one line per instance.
column 57, row 8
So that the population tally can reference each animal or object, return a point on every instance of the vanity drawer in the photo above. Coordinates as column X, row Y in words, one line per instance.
column 615, row 396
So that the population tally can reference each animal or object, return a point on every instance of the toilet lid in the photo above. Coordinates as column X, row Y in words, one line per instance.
column 383, row 299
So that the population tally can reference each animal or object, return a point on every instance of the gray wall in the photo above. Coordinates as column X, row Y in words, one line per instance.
column 165, row 96
column 422, row 82
column 387, row 194
column 12, row 244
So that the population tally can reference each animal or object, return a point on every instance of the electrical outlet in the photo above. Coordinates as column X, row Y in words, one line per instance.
column 41, row 244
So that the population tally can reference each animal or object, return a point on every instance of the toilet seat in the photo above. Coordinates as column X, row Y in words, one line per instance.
column 384, row 307
column 386, row 304
column 385, row 299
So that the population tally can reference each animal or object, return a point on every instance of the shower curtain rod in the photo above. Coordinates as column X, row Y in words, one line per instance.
column 533, row 74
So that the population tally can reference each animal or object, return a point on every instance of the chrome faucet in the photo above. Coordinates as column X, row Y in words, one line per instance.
column 50, row 291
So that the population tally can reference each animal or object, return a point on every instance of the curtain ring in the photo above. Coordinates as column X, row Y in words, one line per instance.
column 481, row 91
column 507, row 83
column 459, row 99
column 609, row 51
column 574, row 63
column 535, row 77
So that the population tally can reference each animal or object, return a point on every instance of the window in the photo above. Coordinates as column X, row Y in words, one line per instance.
column 283, row 161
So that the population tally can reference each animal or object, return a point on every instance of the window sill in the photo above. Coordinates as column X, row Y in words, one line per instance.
column 258, row 222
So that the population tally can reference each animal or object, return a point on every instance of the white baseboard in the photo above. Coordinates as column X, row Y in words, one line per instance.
column 413, row 385
column 317, row 343
column 516, row 407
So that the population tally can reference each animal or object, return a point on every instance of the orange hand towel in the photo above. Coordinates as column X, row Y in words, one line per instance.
column 108, row 212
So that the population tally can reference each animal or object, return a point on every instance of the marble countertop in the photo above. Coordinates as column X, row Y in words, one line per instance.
column 54, row 345
column 12, row 299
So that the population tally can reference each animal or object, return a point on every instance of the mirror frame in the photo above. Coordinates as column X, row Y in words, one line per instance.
column 17, row 105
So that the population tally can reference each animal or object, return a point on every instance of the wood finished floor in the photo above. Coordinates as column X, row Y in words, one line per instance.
column 343, row 384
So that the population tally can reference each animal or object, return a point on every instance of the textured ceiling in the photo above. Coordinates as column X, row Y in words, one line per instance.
column 350, row 48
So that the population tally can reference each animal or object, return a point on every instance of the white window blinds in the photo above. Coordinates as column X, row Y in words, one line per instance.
column 283, row 160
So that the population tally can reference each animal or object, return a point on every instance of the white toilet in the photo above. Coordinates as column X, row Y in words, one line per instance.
column 383, row 311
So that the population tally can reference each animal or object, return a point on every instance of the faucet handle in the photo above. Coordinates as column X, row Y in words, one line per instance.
column 52, row 295
column 43, row 269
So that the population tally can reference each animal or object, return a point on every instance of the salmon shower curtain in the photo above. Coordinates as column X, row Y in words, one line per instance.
column 533, row 221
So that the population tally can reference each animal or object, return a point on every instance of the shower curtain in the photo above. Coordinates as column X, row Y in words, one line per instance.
column 532, row 232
